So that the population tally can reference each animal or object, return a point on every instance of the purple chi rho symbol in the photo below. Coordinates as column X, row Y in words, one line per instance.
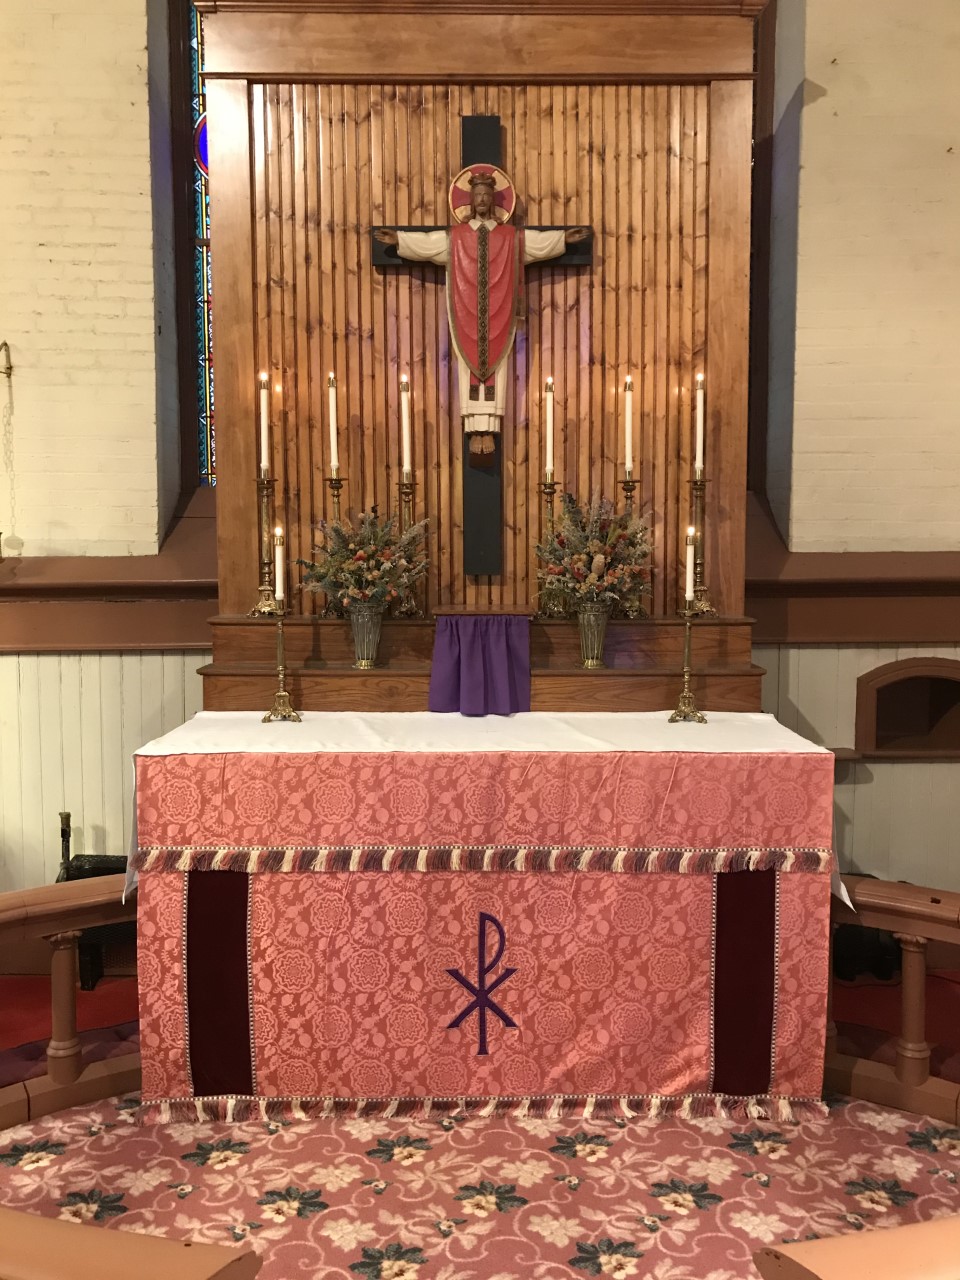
column 481, row 1001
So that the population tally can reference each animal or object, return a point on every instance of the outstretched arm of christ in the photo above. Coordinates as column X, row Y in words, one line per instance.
column 434, row 246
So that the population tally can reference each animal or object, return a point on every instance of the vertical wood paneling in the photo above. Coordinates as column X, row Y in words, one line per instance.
column 69, row 724
column 631, row 161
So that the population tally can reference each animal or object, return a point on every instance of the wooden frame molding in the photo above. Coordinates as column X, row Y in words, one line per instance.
column 849, row 597
column 870, row 684
column 83, row 604
column 354, row 43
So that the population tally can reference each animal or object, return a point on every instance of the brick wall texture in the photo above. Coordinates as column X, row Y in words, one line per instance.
column 871, row 458
column 77, row 282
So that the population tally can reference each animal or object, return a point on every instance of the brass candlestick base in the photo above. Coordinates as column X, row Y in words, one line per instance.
column 701, row 600
column 282, row 708
column 266, row 606
column 687, row 709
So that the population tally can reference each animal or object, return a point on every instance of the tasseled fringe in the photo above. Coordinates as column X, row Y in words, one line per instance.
column 422, row 858
column 691, row 1106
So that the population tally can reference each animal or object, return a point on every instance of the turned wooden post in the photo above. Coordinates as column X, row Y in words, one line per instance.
column 913, row 1052
column 63, row 1051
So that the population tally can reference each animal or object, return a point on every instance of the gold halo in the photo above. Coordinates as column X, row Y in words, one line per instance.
column 504, row 193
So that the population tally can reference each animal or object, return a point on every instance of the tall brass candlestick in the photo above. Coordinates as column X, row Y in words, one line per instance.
column 408, row 605
column 552, row 605
column 629, row 487
column 267, row 605
column 282, row 708
column 701, row 600
column 687, row 709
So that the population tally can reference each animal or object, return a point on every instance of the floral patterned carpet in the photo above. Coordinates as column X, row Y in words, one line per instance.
column 500, row 1199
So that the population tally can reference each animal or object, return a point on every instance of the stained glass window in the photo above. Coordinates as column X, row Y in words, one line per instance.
column 201, row 262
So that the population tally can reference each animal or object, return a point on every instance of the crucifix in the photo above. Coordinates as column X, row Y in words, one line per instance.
column 485, row 258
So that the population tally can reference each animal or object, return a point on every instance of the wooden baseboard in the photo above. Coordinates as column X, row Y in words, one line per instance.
column 97, row 1081
column 877, row 1082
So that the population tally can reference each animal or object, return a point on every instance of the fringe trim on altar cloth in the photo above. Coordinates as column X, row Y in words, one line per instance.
column 564, row 858
column 695, row 1106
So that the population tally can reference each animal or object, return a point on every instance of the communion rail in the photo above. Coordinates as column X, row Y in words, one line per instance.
column 916, row 917
column 58, row 912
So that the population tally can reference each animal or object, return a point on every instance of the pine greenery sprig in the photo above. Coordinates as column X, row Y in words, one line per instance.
column 369, row 561
column 595, row 555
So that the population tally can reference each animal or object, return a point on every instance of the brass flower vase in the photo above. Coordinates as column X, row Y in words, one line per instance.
column 592, row 621
column 365, row 619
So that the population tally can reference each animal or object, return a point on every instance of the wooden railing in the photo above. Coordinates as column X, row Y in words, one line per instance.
column 58, row 913
column 916, row 917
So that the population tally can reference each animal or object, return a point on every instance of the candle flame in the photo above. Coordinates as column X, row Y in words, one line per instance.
column 690, row 531
column 278, row 531
column 629, row 382
column 264, row 377
column 699, row 379
column 332, row 378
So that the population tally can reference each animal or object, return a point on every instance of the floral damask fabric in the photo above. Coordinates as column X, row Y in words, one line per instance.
column 602, row 799
column 495, row 1199
column 353, row 995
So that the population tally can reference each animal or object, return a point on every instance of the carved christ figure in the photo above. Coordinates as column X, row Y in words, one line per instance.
column 484, row 257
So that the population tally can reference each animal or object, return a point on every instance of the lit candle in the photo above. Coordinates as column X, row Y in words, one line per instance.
column 332, row 418
column 548, row 443
column 405, row 461
column 698, row 458
column 628, row 427
column 279, row 568
column 264, row 425
column 688, row 589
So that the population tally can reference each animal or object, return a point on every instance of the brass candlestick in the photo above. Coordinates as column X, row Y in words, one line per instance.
column 335, row 483
column 552, row 605
column 549, row 490
column 407, row 606
column 282, row 708
column 629, row 487
column 701, row 600
column 267, row 605
column 687, row 707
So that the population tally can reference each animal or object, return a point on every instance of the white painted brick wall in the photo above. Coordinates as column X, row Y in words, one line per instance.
column 80, row 449
column 873, row 461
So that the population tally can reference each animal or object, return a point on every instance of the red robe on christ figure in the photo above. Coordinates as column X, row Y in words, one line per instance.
column 485, row 258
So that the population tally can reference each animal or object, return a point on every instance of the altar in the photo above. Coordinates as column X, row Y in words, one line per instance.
column 381, row 913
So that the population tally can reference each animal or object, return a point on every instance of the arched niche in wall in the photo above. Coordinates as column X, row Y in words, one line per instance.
column 910, row 708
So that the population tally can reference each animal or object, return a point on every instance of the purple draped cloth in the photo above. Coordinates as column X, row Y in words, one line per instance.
column 481, row 665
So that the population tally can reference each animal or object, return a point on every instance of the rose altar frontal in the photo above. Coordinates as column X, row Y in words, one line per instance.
column 383, row 913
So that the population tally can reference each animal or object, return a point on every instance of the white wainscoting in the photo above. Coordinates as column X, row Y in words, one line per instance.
column 896, row 820
column 69, row 725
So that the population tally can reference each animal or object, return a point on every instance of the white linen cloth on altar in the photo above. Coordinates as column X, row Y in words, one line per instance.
column 725, row 731
column 320, row 731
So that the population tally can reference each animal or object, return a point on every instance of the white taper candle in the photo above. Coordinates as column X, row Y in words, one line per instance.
column 279, row 567
column 628, row 427
column 688, row 587
column 406, row 451
column 548, row 440
column 332, row 419
column 698, row 451
column 264, row 425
